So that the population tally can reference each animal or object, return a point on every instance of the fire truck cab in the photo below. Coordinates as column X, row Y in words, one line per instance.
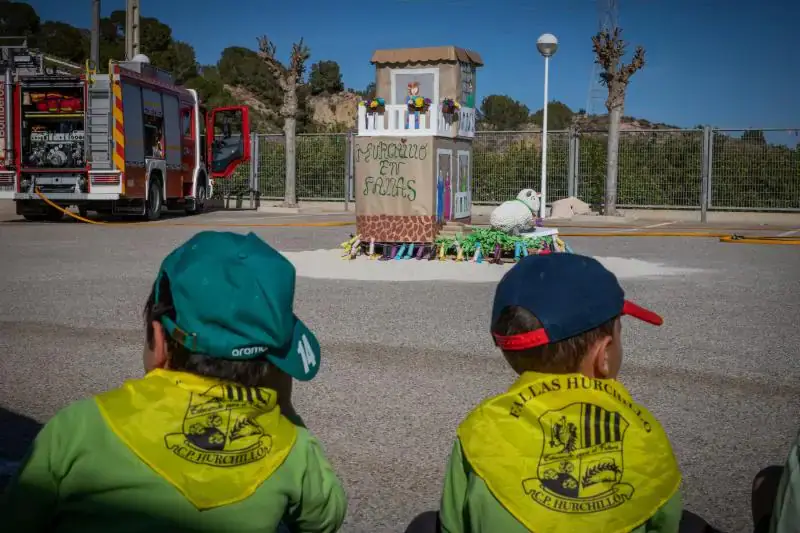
column 128, row 142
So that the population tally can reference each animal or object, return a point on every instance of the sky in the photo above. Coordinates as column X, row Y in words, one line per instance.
column 727, row 63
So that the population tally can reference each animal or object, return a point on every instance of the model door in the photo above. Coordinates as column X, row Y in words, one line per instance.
column 462, row 191
column 228, row 138
column 444, row 171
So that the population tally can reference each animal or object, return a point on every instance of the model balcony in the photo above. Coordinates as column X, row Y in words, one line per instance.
column 398, row 120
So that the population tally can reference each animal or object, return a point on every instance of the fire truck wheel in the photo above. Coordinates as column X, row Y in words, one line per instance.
column 153, row 211
column 35, row 218
column 199, row 199
column 83, row 211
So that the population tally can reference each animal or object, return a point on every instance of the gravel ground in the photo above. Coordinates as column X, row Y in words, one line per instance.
column 404, row 362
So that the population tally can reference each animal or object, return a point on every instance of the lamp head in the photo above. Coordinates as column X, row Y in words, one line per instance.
column 547, row 44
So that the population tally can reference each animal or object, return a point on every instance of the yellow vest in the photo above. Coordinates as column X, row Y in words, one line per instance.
column 567, row 453
column 216, row 442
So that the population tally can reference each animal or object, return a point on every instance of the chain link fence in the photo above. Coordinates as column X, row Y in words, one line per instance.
column 690, row 169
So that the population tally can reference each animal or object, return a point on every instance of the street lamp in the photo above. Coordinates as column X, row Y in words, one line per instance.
column 547, row 45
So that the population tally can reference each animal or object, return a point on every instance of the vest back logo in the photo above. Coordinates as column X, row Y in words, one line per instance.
column 217, row 429
column 580, row 469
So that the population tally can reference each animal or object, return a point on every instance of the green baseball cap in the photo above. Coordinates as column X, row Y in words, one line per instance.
column 233, row 297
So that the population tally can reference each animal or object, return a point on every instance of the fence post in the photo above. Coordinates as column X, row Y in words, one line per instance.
column 709, row 196
column 348, row 149
column 255, row 165
column 571, row 163
column 251, row 178
column 577, row 164
column 704, row 174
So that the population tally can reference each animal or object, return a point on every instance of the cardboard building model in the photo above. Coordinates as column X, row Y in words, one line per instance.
column 413, row 153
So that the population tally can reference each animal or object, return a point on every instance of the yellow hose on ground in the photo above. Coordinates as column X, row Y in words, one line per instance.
column 723, row 237
column 190, row 224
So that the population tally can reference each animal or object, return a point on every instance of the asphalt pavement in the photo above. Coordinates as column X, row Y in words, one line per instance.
column 403, row 362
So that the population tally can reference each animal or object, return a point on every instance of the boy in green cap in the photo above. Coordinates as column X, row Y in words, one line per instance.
column 201, row 442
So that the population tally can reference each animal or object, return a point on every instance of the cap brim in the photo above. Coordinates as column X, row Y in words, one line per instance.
column 636, row 311
column 301, row 360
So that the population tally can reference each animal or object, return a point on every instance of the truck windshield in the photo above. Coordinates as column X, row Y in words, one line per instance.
column 52, row 127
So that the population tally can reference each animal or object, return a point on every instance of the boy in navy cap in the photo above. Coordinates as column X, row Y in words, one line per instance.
column 201, row 442
column 566, row 448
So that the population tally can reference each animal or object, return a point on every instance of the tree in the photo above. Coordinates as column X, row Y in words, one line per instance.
column 325, row 78
column 289, row 78
column 18, row 20
column 370, row 91
column 609, row 49
column 755, row 137
column 503, row 113
column 367, row 93
column 243, row 67
column 62, row 40
column 559, row 116
column 183, row 62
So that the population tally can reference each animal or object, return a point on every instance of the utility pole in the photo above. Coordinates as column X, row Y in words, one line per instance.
column 607, row 20
column 131, row 29
column 94, row 55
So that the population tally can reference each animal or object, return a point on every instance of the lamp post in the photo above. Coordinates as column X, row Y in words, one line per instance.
column 547, row 45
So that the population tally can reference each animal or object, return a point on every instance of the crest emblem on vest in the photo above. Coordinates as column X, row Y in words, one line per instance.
column 219, row 430
column 580, row 468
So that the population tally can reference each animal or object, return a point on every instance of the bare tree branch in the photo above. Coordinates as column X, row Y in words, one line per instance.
column 297, row 64
column 609, row 49
column 289, row 78
column 266, row 51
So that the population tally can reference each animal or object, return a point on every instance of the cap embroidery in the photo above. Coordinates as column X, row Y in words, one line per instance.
column 247, row 351
column 306, row 353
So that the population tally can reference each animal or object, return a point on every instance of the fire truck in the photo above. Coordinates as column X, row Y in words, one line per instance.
column 130, row 142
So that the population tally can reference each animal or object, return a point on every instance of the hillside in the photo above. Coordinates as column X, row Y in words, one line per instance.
column 240, row 77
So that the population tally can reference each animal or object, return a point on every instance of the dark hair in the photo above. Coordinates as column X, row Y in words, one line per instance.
column 558, row 357
column 248, row 373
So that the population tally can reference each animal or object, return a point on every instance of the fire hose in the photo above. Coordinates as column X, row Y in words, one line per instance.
column 723, row 237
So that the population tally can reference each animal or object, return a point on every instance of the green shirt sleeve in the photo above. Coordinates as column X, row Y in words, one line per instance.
column 786, row 514
column 454, row 492
column 31, row 499
column 322, row 505
column 667, row 519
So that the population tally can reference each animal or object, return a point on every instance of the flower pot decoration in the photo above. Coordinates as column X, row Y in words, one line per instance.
column 418, row 104
column 374, row 105
column 450, row 107
column 415, row 102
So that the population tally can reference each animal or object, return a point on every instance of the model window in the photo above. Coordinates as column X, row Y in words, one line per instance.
column 467, row 85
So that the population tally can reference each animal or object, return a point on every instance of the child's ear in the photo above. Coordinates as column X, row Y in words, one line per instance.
column 160, row 356
column 599, row 358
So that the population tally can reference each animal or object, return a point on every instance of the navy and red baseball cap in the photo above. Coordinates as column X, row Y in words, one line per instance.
column 570, row 294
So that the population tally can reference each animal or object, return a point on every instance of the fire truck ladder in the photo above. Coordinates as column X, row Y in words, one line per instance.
column 98, row 121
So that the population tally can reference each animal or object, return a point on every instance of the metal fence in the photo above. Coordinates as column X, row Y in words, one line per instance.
column 691, row 169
